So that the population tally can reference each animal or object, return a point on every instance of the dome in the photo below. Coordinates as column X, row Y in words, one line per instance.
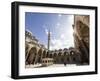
column 29, row 32
column 65, row 49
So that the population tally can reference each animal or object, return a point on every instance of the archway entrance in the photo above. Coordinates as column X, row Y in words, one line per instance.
column 39, row 57
column 31, row 56
column 44, row 54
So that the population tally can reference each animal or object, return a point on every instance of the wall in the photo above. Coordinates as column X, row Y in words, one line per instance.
column 5, row 40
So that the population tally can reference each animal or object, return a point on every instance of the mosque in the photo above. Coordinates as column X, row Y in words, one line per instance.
column 37, row 53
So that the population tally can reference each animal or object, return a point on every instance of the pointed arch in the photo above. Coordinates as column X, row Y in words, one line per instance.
column 44, row 54
column 39, row 56
column 31, row 55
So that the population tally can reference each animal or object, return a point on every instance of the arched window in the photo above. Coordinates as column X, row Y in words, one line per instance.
column 59, row 54
column 72, row 52
column 55, row 54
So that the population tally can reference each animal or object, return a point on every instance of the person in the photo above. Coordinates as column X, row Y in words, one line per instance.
column 64, row 63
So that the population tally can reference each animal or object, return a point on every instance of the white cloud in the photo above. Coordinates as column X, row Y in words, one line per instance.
column 46, row 31
column 60, row 43
column 58, row 24
column 59, row 15
column 64, row 35
column 50, row 33
column 55, row 44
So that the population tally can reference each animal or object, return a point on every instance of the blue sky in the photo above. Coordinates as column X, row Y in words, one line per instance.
column 60, row 26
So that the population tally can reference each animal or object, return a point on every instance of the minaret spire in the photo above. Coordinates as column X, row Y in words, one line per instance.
column 48, row 40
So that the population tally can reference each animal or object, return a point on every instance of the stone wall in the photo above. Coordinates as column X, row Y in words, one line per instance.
column 81, row 36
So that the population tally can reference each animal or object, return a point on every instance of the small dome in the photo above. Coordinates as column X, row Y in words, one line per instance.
column 65, row 49
column 29, row 32
column 60, row 49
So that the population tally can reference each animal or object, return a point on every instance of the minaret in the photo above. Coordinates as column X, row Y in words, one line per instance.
column 48, row 41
